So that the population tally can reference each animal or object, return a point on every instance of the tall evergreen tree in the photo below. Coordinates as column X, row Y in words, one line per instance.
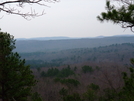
column 16, row 79
column 122, row 14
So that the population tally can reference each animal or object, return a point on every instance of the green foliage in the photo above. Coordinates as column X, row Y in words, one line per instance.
column 128, row 90
column 68, row 82
column 36, row 97
column 93, row 87
column 91, row 93
column 87, row 69
column 39, row 63
column 63, row 92
column 73, row 97
column 132, row 61
column 98, row 68
column 65, row 72
column 43, row 74
column 38, row 69
column 113, row 52
column 119, row 15
column 54, row 72
column 75, row 68
column 109, row 95
column 16, row 79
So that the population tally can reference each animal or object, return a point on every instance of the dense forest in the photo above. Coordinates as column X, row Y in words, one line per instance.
column 82, row 74
column 99, row 73
column 115, row 53
column 25, row 46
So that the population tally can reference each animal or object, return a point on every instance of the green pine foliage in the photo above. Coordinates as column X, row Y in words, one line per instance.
column 91, row 93
column 36, row 97
column 122, row 15
column 39, row 63
column 65, row 72
column 87, row 69
column 93, row 87
column 68, row 82
column 54, row 72
column 16, row 79
column 63, row 92
column 73, row 97
column 109, row 95
column 126, row 92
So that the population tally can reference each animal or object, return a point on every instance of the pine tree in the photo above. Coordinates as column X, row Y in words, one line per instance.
column 123, row 14
column 127, row 92
column 16, row 79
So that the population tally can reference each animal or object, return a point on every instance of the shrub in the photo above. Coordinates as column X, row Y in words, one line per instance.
column 87, row 69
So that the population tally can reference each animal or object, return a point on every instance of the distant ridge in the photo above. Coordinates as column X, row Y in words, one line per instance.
column 64, row 38
column 45, row 38
column 63, row 43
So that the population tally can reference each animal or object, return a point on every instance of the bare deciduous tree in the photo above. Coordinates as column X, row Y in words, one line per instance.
column 19, row 7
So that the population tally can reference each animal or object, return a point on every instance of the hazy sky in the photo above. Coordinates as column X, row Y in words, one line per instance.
column 72, row 18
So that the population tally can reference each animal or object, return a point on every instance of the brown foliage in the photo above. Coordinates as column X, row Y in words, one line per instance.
column 106, row 75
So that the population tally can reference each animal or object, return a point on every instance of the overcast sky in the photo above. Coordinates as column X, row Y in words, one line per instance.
column 71, row 18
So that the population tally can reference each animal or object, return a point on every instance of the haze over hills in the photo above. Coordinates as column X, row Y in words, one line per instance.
column 64, row 37
column 63, row 43
column 45, row 38
column 116, row 53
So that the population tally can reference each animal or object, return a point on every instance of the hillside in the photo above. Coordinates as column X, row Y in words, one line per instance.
column 76, row 72
column 116, row 53
column 80, row 69
column 28, row 46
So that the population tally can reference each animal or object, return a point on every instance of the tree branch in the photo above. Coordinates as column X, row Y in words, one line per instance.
column 123, row 15
column 10, row 8
column 8, row 2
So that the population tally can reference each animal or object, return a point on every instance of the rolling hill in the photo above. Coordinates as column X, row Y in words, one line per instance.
column 27, row 46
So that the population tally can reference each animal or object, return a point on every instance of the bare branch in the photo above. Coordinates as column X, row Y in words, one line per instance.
column 10, row 8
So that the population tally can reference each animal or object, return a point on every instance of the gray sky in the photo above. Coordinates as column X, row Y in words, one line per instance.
column 72, row 18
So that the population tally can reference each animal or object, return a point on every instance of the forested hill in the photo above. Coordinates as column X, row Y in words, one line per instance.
column 56, row 45
column 116, row 53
